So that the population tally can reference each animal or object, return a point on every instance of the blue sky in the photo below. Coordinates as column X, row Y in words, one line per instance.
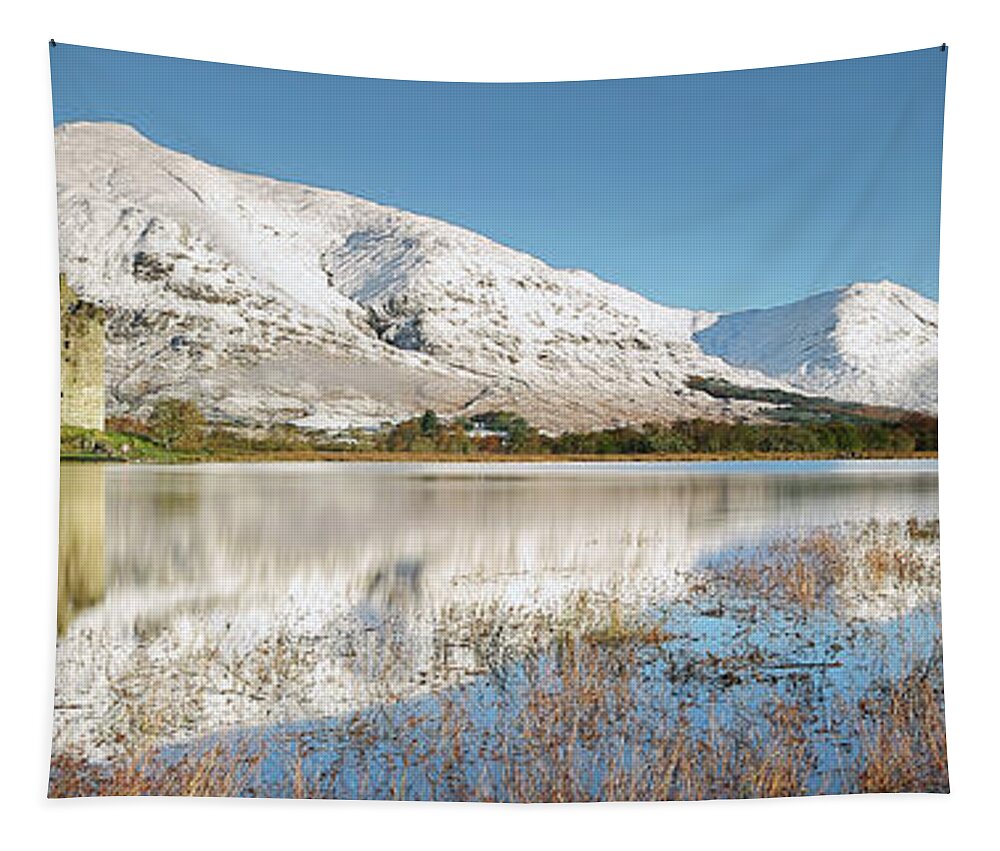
column 721, row 191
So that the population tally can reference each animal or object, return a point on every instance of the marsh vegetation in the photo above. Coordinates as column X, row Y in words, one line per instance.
column 666, row 637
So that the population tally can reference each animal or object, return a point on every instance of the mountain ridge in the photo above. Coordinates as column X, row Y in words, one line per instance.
column 268, row 301
column 874, row 343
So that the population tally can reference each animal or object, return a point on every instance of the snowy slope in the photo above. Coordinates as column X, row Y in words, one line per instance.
column 274, row 302
column 869, row 342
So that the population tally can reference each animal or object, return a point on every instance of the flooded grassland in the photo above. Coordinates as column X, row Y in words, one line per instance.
column 598, row 632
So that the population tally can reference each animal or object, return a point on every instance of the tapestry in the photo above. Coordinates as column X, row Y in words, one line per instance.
column 498, row 442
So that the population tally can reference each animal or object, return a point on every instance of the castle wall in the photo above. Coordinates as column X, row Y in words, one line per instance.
column 81, row 361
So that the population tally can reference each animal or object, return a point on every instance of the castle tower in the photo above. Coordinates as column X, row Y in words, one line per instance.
column 81, row 360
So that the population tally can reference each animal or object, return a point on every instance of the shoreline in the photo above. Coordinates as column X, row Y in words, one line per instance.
column 484, row 458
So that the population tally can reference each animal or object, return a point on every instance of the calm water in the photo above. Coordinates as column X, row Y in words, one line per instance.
column 141, row 542
column 285, row 596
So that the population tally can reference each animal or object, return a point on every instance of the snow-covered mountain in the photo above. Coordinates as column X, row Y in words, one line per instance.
column 274, row 302
column 869, row 342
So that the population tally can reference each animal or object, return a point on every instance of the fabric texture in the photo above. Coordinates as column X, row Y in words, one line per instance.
column 528, row 442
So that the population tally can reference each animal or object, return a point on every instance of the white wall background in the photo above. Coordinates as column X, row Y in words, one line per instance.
column 512, row 40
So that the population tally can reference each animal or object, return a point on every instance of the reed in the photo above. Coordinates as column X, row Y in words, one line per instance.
column 582, row 729
column 593, row 703
column 828, row 567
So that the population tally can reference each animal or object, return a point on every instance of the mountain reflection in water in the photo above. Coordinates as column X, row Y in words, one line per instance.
column 212, row 597
column 142, row 543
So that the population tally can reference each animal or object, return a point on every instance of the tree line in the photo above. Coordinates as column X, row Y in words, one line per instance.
column 178, row 426
column 505, row 432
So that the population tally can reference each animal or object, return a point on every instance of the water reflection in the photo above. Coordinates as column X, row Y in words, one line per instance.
column 81, row 540
column 198, row 598
column 402, row 540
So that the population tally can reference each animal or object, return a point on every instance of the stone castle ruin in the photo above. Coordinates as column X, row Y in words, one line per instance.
column 81, row 360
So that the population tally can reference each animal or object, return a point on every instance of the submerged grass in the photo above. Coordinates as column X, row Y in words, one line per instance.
column 584, row 731
column 828, row 568
column 902, row 734
column 598, row 704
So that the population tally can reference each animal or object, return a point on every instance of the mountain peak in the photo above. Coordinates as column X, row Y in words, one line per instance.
column 268, row 301
column 867, row 342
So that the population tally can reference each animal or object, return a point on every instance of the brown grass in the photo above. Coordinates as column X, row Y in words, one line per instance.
column 583, row 729
column 928, row 530
column 580, row 719
column 902, row 735
column 806, row 572
column 217, row 771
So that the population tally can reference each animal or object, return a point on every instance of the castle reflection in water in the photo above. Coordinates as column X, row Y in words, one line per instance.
column 141, row 544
